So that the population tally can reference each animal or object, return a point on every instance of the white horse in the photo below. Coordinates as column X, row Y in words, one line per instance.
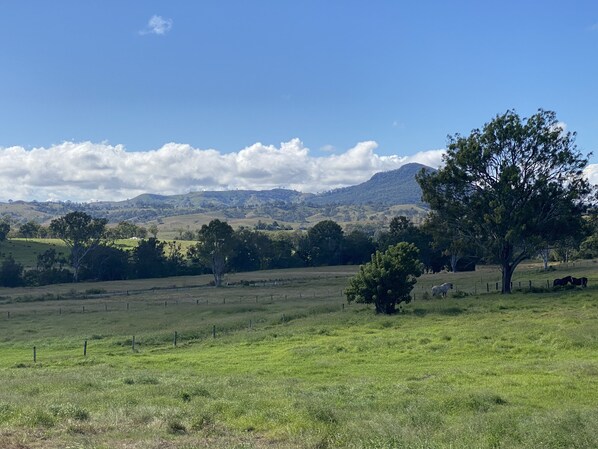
column 441, row 289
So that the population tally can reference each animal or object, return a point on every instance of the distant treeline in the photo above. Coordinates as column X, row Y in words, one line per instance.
column 219, row 249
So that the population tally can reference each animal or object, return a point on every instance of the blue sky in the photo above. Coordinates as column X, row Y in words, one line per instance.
column 113, row 78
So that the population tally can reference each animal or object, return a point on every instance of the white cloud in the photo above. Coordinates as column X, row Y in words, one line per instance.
column 591, row 171
column 157, row 25
column 86, row 171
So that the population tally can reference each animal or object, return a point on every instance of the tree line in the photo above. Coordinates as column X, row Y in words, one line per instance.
column 93, row 253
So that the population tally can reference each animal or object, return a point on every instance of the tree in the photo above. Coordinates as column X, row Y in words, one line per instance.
column 4, row 230
column 325, row 243
column 215, row 246
column 149, row 260
column 510, row 187
column 153, row 230
column 106, row 263
column 81, row 233
column 11, row 272
column 29, row 230
column 358, row 247
column 388, row 279
column 401, row 229
column 127, row 230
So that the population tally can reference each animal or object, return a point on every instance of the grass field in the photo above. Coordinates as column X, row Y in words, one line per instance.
column 293, row 366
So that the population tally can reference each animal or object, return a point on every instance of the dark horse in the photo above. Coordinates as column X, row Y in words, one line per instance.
column 579, row 281
column 563, row 281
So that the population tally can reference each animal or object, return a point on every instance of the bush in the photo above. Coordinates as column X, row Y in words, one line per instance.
column 11, row 273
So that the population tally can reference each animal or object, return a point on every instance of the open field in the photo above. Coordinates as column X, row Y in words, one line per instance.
column 292, row 366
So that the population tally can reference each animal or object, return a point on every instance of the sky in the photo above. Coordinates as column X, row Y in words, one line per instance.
column 104, row 100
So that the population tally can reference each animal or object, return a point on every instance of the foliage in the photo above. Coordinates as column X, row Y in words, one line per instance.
column 81, row 233
column 127, row 230
column 388, row 279
column 106, row 263
column 28, row 230
column 325, row 243
column 215, row 246
column 149, row 260
column 4, row 230
column 11, row 272
column 401, row 229
column 357, row 248
column 510, row 187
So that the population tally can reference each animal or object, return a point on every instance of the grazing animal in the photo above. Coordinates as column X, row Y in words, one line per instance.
column 441, row 289
column 563, row 281
column 579, row 281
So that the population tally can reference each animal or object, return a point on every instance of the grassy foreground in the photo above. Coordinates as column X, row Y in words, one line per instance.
column 292, row 367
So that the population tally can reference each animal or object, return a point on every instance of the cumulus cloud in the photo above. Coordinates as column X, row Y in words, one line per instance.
column 86, row 171
column 157, row 25
column 591, row 171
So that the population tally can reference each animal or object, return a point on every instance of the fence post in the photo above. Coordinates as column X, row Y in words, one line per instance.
column 83, row 309
column 250, row 326
column 547, row 283
column 530, row 285
column 34, row 354
column 343, row 306
column 133, row 344
column 487, row 287
column 214, row 331
column 8, row 315
column 497, row 286
column 85, row 348
column 174, row 340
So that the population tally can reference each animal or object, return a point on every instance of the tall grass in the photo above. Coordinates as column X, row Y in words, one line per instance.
column 481, row 371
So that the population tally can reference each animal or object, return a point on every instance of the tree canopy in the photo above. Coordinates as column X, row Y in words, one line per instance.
column 81, row 233
column 215, row 246
column 387, row 280
column 510, row 187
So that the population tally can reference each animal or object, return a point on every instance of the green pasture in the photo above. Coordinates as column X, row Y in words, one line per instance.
column 291, row 365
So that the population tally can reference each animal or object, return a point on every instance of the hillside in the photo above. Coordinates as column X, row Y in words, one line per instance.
column 391, row 187
column 374, row 201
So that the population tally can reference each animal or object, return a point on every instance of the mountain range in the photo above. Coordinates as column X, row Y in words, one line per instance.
column 384, row 191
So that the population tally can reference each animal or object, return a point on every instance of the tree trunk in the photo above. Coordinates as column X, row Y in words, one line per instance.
column 454, row 259
column 507, row 276
column 545, row 253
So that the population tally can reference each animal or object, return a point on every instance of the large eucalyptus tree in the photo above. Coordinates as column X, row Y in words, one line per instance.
column 510, row 187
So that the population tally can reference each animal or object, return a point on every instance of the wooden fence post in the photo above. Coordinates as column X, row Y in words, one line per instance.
column 174, row 340
column 133, row 344
column 34, row 354
column 214, row 331
column 85, row 348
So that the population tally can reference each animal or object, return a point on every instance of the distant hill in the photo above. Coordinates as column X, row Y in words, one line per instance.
column 375, row 200
column 224, row 198
column 390, row 187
